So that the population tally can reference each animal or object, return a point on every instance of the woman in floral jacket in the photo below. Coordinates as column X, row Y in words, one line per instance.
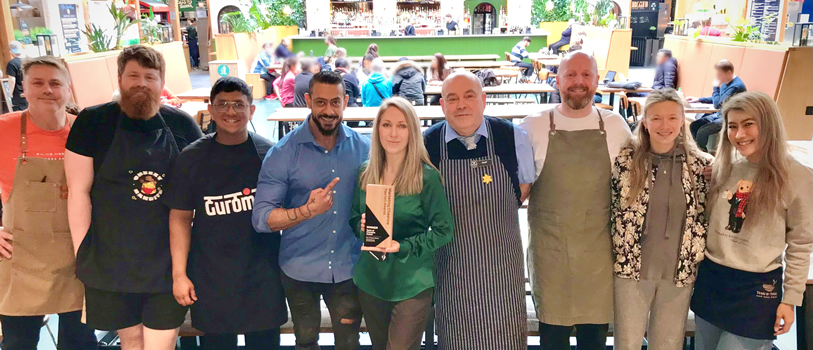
column 659, row 229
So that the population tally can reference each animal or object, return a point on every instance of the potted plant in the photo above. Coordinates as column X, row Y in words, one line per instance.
column 121, row 22
column 98, row 40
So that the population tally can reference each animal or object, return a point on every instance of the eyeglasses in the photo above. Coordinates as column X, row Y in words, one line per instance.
column 223, row 107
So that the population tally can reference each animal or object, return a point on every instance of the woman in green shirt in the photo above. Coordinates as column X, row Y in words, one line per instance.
column 396, row 292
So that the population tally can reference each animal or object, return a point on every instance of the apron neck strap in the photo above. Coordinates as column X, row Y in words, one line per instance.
column 23, row 133
column 600, row 120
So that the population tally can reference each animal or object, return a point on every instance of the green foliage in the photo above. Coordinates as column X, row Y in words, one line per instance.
column 18, row 35
column 267, row 13
column 150, row 29
column 33, row 32
column 239, row 22
column 598, row 13
column 98, row 40
column 121, row 23
column 560, row 13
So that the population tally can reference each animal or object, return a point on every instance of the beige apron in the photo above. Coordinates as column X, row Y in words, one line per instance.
column 570, row 261
column 40, row 278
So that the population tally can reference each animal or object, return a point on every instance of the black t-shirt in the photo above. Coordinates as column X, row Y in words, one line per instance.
column 14, row 69
column 234, row 268
column 301, row 83
column 94, row 128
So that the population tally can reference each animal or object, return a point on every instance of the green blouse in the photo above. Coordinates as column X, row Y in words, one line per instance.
column 422, row 223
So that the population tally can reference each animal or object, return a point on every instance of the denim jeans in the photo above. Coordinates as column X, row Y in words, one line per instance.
column 342, row 303
column 710, row 337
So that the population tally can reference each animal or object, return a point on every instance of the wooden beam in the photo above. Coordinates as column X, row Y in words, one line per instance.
column 781, row 22
column 175, row 20
column 6, row 32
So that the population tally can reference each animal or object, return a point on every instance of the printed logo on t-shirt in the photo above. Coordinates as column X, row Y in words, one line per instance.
column 738, row 201
column 147, row 186
column 226, row 204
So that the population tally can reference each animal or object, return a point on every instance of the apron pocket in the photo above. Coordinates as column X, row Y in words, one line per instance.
column 545, row 229
column 43, row 253
column 41, row 197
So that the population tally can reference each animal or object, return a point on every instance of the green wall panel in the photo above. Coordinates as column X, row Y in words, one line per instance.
column 419, row 46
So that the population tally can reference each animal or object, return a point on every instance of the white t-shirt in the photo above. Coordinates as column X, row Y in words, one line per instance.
column 537, row 126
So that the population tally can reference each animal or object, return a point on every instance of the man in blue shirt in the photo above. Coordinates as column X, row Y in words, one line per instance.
column 487, row 166
column 518, row 53
column 305, row 189
column 726, row 85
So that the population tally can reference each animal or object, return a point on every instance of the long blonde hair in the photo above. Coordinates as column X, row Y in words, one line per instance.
column 641, row 145
column 772, row 174
column 409, row 180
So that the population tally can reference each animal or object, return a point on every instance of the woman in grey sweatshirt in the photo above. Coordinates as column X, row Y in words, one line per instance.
column 761, row 215
column 658, row 226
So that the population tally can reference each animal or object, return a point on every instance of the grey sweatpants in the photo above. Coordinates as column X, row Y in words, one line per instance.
column 711, row 337
column 657, row 308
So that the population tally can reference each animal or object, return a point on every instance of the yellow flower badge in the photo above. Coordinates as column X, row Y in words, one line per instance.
column 487, row 179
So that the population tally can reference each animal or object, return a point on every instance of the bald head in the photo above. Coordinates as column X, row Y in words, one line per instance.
column 577, row 80
column 578, row 58
column 461, row 78
column 463, row 102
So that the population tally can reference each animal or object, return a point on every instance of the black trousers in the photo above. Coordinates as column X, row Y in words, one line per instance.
column 704, row 127
column 269, row 82
column 529, row 68
column 194, row 55
column 588, row 336
column 261, row 340
column 23, row 332
column 557, row 45
column 342, row 302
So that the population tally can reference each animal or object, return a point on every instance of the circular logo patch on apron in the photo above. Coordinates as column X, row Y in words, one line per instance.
column 147, row 186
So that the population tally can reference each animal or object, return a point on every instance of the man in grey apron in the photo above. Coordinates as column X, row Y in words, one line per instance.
column 37, row 271
column 569, row 257
column 487, row 167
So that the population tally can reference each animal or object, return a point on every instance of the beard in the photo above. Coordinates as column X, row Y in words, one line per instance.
column 325, row 131
column 573, row 100
column 139, row 103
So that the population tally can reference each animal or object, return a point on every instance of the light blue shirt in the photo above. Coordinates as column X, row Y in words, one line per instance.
column 323, row 248
column 526, row 171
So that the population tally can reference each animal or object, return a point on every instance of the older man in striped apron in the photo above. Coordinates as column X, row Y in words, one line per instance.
column 487, row 166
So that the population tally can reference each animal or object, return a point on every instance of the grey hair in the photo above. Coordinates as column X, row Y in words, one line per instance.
column 377, row 65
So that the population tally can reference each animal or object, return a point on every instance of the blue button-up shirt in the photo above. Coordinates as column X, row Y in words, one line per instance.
column 323, row 248
column 526, row 171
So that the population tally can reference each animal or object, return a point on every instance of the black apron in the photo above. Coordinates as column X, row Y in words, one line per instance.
column 235, row 270
column 739, row 302
column 127, row 246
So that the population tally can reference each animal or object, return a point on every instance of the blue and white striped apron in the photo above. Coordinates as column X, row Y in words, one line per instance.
column 480, row 288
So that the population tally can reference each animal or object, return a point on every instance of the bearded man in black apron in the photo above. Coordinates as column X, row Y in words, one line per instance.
column 118, row 160
column 487, row 168
column 569, row 258
column 233, row 281
column 37, row 272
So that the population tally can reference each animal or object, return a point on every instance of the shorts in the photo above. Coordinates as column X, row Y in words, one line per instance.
column 115, row 310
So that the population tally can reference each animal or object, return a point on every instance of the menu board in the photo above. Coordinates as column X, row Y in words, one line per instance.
column 70, row 27
column 759, row 9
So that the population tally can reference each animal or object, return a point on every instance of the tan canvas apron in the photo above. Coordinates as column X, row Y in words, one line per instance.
column 570, row 261
column 40, row 278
